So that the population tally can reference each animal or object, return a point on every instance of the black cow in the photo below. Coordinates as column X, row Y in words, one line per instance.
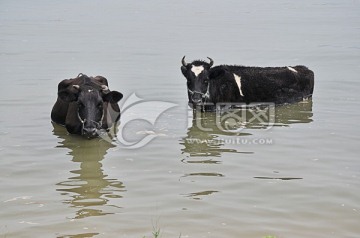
column 229, row 84
column 85, row 105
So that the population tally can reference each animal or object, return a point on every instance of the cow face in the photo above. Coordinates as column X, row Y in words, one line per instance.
column 90, row 102
column 197, row 76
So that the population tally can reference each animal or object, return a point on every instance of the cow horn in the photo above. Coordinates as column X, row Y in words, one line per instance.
column 76, row 86
column 183, row 61
column 211, row 61
column 104, row 87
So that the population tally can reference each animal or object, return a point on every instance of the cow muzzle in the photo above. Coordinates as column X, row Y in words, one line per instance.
column 90, row 128
column 90, row 132
column 199, row 97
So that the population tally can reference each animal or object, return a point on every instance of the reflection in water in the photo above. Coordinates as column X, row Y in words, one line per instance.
column 294, row 113
column 198, row 195
column 213, row 133
column 204, row 174
column 193, row 176
column 210, row 132
column 279, row 178
column 83, row 235
column 89, row 189
column 203, row 138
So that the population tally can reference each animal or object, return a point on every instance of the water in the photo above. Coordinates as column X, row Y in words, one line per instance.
column 298, row 177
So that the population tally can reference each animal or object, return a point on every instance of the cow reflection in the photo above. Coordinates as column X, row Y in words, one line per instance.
column 288, row 114
column 89, row 190
column 213, row 133
column 204, row 138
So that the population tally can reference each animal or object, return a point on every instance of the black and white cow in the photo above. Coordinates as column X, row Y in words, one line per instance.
column 85, row 105
column 230, row 84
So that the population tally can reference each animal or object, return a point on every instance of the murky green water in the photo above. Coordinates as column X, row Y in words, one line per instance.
column 297, row 176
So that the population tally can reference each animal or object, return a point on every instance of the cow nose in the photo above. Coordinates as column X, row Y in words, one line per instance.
column 197, row 101
column 90, row 132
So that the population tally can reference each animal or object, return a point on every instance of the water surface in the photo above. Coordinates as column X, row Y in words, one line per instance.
column 298, row 177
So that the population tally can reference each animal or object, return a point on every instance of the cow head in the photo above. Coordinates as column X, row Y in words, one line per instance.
column 90, row 99
column 197, row 76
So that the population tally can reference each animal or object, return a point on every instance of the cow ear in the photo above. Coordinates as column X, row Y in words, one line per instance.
column 112, row 97
column 69, row 94
column 184, row 70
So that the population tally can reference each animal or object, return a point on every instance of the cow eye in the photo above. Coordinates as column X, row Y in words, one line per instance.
column 100, row 105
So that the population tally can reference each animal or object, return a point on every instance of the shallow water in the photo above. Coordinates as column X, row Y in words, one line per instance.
column 297, row 176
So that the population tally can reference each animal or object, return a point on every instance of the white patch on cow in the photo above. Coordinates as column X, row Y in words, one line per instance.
column 291, row 69
column 197, row 69
column 238, row 82
column 90, row 90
